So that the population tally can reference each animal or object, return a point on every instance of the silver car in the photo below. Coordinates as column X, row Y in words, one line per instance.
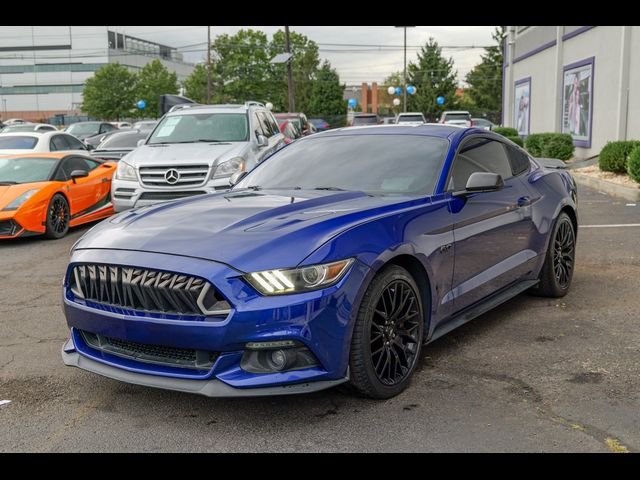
column 194, row 150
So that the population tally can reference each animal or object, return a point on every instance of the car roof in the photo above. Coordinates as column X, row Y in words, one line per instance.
column 226, row 108
column 32, row 134
column 425, row 129
column 54, row 155
column 409, row 113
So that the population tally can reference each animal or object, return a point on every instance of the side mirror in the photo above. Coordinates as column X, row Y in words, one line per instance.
column 481, row 182
column 262, row 141
column 78, row 174
column 141, row 142
column 236, row 177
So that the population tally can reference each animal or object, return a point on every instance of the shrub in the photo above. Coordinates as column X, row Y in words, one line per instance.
column 506, row 131
column 633, row 168
column 614, row 156
column 515, row 139
column 551, row 145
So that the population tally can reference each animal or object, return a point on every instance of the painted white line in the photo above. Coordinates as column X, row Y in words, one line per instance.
column 4, row 402
column 631, row 205
column 615, row 225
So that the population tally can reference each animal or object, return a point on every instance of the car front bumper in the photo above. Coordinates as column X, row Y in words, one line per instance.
column 321, row 321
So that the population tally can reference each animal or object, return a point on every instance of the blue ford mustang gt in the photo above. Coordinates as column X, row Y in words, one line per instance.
column 334, row 261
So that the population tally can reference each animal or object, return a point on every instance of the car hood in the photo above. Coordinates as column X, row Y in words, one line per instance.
column 170, row 154
column 8, row 193
column 247, row 230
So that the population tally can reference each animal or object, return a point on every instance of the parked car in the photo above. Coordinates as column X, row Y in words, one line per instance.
column 332, row 262
column 456, row 117
column 299, row 120
column 46, row 193
column 14, row 121
column 145, row 125
column 40, row 142
column 120, row 125
column 320, row 124
column 194, row 150
column 389, row 121
column 116, row 146
column 483, row 123
column 363, row 119
column 29, row 127
column 410, row 118
column 290, row 132
column 82, row 130
column 95, row 140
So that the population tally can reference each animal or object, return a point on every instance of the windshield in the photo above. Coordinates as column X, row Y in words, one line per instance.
column 18, row 143
column 365, row 120
column 25, row 170
column 122, row 140
column 201, row 127
column 410, row 118
column 376, row 164
column 84, row 128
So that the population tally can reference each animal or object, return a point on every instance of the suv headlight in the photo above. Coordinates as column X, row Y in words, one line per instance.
column 125, row 171
column 228, row 168
column 296, row 280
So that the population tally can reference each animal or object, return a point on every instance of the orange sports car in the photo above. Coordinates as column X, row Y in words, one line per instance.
column 46, row 193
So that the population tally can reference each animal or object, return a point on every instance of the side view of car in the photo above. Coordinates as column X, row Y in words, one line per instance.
column 410, row 118
column 46, row 194
column 82, row 130
column 40, row 142
column 334, row 261
column 483, row 123
column 456, row 117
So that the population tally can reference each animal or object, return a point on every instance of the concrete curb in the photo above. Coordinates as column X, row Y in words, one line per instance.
column 628, row 193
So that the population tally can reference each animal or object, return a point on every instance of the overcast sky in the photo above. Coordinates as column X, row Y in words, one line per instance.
column 367, row 65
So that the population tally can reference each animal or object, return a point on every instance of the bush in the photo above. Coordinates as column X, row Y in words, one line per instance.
column 515, row 139
column 614, row 156
column 550, row 145
column 506, row 131
column 633, row 168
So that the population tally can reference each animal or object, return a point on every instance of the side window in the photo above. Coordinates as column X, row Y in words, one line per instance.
column 257, row 125
column 73, row 143
column 272, row 122
column 479, row 155
column 106, row 127
column 264, row 123
column 70, row 164
column 57, row 143
column 92, row 164
column 519, row 160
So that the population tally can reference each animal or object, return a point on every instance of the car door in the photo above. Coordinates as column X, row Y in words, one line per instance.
column 492, row 230
column 85, row 192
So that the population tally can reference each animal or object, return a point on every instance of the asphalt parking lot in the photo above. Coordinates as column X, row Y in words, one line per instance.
column 533, row 375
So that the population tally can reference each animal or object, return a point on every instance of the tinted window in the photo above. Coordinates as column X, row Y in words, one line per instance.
column 519, row 160
column 479, row 155
column 265, row 125
column 73, row 143
column 122, row 140
column 365, row 120
column 457, row 116
column 410, row 118
column 272, row 123
column 18, row 143
column 57, row 143
column 201, row 127
column 74, row 163
column 26, row 170
column 384, row 164
column 46, row 128
column 92, row 164
column 106, row 127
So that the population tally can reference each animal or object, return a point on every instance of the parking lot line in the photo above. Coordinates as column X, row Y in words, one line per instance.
column 614, row 225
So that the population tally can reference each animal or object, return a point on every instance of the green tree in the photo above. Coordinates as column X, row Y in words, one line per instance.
column 195, row 85
column 485, row 80
column 394, row 80
column 110, row 93
column 154, row 80
column 433, row 76
column 326, row 93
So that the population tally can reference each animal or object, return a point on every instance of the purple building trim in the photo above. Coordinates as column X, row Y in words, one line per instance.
column 550, row 44
column 571, row 66
column 576, row 32
column 515, row 84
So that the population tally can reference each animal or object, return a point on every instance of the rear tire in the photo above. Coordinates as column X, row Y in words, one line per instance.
column 58, row 217
column 387, row 336
column 557, row 271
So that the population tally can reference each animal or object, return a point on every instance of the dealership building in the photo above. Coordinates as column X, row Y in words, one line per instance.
column 43, row 69
column 581, row 80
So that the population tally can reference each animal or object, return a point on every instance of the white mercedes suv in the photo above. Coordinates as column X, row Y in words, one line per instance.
column 194, row 150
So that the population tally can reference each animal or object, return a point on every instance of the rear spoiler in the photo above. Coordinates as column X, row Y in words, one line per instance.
column 551, row 163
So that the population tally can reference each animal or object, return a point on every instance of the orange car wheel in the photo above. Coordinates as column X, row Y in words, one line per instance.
column 58, row 217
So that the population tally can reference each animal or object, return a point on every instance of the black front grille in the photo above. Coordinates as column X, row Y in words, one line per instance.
column 147, row 353
column 168, row 195
column 9, row 227
column 146, row 290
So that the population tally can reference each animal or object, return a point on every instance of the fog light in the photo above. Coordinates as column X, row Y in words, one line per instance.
column 279, row 359
column 284, row 355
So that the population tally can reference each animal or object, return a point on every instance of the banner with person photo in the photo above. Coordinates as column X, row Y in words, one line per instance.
column 522, row 106
column 577, row 102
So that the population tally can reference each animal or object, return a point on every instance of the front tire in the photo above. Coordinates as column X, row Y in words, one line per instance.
column 58, row 217
column 387, row 336
column 557, row 271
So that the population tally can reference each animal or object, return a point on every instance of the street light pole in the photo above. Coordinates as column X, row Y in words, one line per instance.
column 292, row 102
column 208, row 65
column 404, row 81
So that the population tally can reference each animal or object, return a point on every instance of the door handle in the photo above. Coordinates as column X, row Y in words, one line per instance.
column 524, row 201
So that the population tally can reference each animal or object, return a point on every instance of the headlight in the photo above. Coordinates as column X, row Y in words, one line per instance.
column 229, row 167
column 296, row 280
column 18, row 202
column 125, row 171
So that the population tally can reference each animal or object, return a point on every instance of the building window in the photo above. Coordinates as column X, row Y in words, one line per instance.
column 522, row 106
column 577, row 101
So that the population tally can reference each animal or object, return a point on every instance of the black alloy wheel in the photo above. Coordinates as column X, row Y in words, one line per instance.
column 559, row 264
column 58, row 217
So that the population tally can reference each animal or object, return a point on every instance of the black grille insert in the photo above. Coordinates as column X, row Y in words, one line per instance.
column 9, row 227
column 168, row 195
column 147, row 353
column 146, row 290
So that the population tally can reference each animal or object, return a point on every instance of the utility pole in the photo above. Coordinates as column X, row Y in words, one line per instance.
column 208, row 65
column 404, row 86
column 292, row 103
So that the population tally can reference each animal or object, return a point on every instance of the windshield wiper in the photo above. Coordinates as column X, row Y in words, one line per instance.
column 331, row 189
column 8, row 183
column 254, row 187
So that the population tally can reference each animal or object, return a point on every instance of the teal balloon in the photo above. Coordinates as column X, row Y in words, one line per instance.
column 141, row 104
column 411, row 90
column 398, row 90
column 352, row 103
column 440, row 100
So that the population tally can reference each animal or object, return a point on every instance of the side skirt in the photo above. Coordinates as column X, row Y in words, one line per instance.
column 480, row 308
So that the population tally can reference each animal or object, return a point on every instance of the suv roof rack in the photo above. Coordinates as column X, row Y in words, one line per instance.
column 253, row 103
column 183, row 105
